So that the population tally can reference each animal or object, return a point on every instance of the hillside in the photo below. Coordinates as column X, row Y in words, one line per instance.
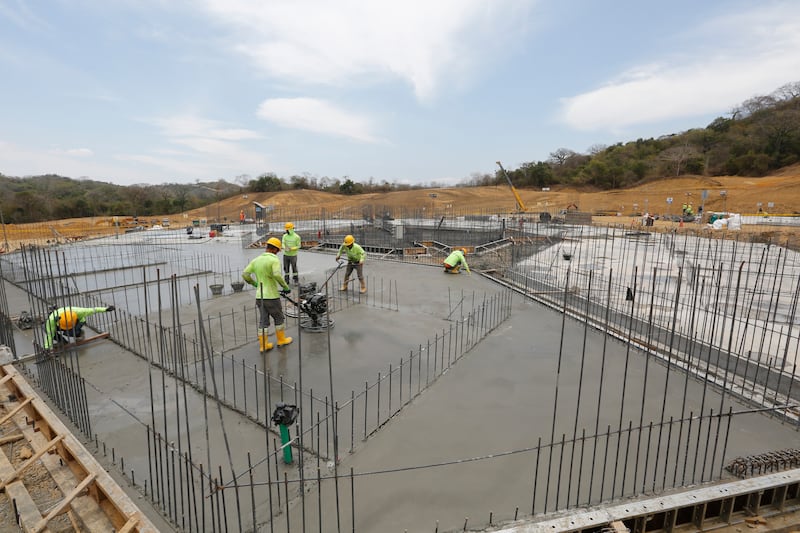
column 743, row 195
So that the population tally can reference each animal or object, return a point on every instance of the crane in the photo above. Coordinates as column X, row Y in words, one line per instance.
column 520, row 204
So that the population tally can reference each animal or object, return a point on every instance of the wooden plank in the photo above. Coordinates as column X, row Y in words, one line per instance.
column 414, row 251
column 32, row 460
column 56, row 350
column 14, row 411
column 28, row 511
column 118, row 507
column 130, row 525
column 11, row 438
column 91, row 514
column 55, row 511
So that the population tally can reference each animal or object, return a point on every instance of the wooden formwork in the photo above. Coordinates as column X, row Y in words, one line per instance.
column 77, row 485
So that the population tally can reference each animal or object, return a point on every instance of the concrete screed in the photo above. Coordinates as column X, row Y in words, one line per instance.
column 498, row 398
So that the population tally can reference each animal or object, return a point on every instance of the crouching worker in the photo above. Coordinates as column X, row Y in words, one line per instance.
column 264, row 273
column 455, row 260
column 68, row 322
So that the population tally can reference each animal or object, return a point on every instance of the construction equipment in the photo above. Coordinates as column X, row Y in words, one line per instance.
column 314, row 306
column 520, row 204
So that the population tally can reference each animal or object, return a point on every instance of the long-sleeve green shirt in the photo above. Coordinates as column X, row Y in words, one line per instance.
column 268, row 276
column 290, row 243
column 354, row 253
column 456, row 258
column 51, row 324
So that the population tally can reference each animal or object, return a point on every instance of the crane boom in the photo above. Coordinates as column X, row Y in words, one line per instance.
column 520, row 204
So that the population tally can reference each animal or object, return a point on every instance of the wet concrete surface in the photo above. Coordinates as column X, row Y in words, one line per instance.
column 498, row 397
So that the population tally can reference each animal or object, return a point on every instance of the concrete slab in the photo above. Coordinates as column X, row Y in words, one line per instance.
column 477, row 412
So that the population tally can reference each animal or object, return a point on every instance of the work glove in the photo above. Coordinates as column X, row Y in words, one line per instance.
column 110, row 308
column 337, row 258
column 286, row 292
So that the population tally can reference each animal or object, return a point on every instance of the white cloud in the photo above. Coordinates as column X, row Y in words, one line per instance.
column 315, row 115
column 79, row 152
column 313, row 42
column 206, row 149
column 191, row 126
column 754, row 53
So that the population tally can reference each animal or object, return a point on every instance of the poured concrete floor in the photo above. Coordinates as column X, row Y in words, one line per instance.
column 498, row 398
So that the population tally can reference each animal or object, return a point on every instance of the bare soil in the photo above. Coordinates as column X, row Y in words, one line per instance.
column 775, row 194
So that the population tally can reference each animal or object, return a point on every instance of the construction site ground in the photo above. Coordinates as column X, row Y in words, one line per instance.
column 498, row 398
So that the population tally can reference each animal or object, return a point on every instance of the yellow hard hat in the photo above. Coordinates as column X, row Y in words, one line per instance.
column 68, row 319
column 348, row 240
column 464, row 251
column 288, row 225
column 272, row 241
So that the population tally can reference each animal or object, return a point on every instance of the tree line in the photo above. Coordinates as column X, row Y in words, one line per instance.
column 760, row 135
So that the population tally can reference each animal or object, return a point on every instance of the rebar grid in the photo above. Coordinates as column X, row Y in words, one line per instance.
column 692, row 323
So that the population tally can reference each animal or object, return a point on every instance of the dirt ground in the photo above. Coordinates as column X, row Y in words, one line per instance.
column 777, row 194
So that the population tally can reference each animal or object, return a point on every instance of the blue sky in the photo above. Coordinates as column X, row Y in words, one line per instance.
column 411, row 91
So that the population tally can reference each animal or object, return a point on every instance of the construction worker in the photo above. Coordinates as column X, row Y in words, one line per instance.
column 268, row 277
column 355, row 260
column 291, row 244
column 68, row 321
column 453, row 263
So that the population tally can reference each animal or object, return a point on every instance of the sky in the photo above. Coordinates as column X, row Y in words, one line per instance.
column 404, row 91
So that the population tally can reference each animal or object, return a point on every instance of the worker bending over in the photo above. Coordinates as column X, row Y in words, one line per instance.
column 68, row 322
column 355, row 260
column 268, row 277
column 290, row 243
column 455, row 260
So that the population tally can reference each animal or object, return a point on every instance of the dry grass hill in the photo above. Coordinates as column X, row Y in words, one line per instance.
column 778, row 193
column 742, row 196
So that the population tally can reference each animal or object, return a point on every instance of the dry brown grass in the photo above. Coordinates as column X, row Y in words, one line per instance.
column 743, row 196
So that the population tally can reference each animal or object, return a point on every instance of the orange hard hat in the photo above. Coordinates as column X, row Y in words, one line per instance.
column 68, row 319
column 348, row 240
column 272, row 241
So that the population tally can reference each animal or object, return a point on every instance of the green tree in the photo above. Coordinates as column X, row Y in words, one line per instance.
column 349, row 187
column 266, row 183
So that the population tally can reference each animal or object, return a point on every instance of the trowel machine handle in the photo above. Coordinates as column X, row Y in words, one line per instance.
column 290, row 300
column 339, row 264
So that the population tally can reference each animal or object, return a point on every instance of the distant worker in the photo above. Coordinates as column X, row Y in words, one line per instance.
column 454, row 261
column 268, row 277
column 68, row 322
column 355, row 260
column 241, row 216
column 689, row 210
column 291, row 244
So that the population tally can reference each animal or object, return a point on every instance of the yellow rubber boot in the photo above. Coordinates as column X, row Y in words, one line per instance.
column 283, row 340
column 263, row 343
column 363, row 286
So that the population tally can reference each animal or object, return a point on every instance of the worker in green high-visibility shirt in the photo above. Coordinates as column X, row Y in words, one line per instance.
column 68, row 322
column 454, row 262
column 290, row 243
column 355, row 261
